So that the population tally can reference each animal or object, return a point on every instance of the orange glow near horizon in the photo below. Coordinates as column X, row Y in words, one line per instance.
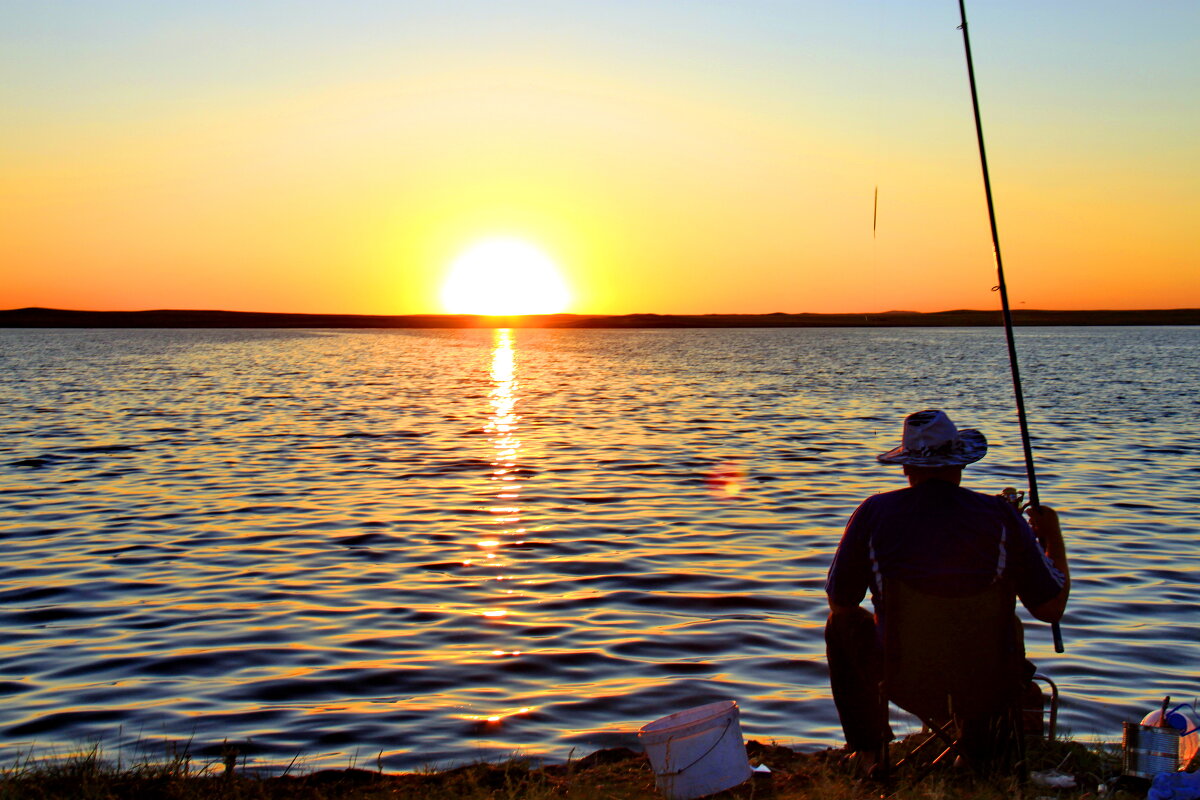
column 700, row 172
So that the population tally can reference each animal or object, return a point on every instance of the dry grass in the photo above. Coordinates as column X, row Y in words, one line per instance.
column 605, row 775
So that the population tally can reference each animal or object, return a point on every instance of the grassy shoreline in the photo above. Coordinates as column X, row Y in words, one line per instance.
column 617, row 774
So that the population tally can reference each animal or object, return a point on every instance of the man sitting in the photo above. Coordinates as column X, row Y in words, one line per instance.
column 941, row 539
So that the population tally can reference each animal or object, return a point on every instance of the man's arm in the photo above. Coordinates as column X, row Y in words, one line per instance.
column 838, row 609
column 1044, row 521
column 849, row 573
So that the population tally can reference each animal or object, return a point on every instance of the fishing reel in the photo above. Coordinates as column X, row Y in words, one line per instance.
column 1016, row 498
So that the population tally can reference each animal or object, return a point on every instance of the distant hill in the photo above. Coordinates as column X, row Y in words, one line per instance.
column 172, row 318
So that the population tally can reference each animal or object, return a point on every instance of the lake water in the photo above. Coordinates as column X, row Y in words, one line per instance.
column 416, row 548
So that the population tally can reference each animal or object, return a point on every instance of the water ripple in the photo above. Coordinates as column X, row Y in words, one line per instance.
column 445, row 545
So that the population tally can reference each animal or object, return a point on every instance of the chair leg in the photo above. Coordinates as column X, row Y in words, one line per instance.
column 983, row 744
column 911, row 756
column 1053, row 724
column 923, row 773
column 938, row 733
column 883, row 766
column 1019, row 746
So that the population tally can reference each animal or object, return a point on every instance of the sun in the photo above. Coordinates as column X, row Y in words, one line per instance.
column 504, row 277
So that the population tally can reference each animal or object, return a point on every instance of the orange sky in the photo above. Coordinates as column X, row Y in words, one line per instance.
column 669, row 159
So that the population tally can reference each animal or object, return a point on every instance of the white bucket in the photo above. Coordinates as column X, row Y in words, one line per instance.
column 698, row 751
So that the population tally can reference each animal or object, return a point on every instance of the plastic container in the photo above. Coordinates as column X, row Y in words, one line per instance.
column 697, row 752
column 1184, row 719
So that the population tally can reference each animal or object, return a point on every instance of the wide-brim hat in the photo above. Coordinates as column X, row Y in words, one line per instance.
column 932, row 440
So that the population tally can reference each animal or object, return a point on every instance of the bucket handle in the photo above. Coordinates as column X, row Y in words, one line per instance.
column 1192, row 706
column 711, row 747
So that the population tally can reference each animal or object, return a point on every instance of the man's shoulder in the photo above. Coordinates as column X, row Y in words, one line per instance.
column 940, row 493
column 882, row 502
column 933, row 500
column 991, row 502
column 892, row 496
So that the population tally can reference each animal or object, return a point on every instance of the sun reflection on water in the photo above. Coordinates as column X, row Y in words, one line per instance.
column 503, row 501
column 502, row 426
column 502, row 431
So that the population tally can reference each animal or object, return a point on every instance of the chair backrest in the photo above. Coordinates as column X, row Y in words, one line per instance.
column 946, row 656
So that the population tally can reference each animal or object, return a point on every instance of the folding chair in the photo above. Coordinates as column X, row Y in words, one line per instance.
column 957, row 664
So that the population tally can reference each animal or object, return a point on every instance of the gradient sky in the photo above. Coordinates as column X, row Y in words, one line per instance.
column 682, row 157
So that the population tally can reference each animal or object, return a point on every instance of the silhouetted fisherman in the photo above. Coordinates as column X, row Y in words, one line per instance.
column 941, row 539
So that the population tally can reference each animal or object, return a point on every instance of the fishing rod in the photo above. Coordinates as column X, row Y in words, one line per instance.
column 1003, row 289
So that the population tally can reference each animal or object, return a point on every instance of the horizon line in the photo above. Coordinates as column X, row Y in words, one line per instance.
column 37, row 317
column 47, row 309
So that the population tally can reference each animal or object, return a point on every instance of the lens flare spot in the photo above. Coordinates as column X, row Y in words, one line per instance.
column 727, row 481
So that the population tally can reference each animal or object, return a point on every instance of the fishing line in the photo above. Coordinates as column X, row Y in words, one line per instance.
column 1003, row 289
column 875, row 213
